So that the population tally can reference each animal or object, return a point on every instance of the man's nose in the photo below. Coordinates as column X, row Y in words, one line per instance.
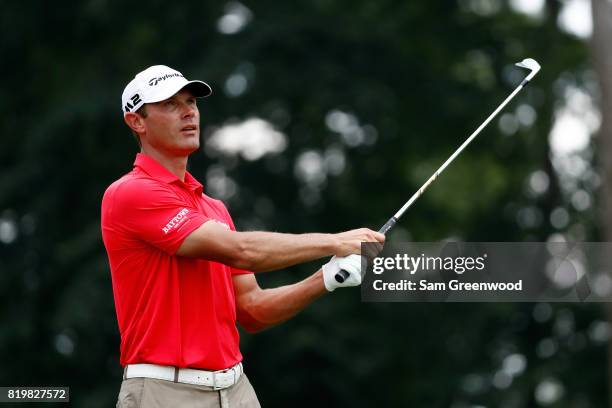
column 189, row 111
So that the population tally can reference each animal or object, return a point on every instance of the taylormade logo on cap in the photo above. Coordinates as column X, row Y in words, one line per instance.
column 157, row 83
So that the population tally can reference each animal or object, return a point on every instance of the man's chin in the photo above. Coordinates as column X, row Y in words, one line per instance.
column 186, row 149
column 191, row 144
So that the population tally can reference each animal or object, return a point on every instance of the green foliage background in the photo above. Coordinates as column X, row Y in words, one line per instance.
column 423, row 74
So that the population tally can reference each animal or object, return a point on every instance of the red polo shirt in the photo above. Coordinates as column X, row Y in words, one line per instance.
column 171, row 310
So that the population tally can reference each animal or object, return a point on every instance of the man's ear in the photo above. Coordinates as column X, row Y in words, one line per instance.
column 134, row 121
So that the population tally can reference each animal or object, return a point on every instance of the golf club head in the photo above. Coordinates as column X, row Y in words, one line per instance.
column 530, row 64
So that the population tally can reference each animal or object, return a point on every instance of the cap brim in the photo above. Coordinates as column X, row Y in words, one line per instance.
column 199, row 89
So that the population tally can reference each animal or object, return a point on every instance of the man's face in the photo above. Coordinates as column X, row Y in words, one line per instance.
column 172, row 126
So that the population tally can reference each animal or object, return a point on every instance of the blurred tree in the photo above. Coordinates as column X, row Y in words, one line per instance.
column 602, row 58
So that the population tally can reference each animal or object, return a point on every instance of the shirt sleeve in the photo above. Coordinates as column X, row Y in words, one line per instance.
column 155, row 214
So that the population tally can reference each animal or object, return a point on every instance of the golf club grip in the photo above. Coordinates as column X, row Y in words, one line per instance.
column 342, row 274
column 388, row 225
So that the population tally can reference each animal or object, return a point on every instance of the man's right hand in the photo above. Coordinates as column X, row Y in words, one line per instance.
column 349, row 242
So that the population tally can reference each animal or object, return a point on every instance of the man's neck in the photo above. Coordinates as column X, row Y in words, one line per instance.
column 176, row 165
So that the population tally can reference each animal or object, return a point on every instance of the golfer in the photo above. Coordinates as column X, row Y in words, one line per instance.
column 182, row 275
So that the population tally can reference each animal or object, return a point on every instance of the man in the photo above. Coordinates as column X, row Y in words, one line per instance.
column 182, row 275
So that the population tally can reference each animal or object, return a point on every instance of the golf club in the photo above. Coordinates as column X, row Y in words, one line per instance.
column 527, row 63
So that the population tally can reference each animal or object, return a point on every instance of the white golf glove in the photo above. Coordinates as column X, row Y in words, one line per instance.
column 351, row 264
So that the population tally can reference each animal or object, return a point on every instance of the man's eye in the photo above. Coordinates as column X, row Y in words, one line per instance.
column 169, row 103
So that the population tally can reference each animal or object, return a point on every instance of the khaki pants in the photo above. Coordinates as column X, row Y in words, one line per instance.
column 151, row 393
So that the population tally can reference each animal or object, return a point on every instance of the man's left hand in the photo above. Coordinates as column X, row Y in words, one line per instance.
column 351, row 264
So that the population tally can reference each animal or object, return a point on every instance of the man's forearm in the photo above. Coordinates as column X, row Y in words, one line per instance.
column 266, row 251
column 264, row 308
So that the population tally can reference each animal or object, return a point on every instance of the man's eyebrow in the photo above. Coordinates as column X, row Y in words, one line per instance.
column 165, row 100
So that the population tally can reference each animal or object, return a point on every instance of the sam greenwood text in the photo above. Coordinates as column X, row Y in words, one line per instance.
column 454, row 285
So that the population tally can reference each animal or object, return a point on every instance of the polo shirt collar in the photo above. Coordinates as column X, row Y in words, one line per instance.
column 193, row 184
column 154, row 169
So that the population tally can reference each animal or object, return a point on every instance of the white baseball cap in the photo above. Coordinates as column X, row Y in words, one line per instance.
column 157, row 83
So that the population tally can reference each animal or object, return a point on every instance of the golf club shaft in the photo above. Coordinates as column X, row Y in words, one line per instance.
column 342, row 274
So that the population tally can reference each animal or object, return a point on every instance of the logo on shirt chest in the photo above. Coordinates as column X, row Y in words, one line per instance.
column 176, row 221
